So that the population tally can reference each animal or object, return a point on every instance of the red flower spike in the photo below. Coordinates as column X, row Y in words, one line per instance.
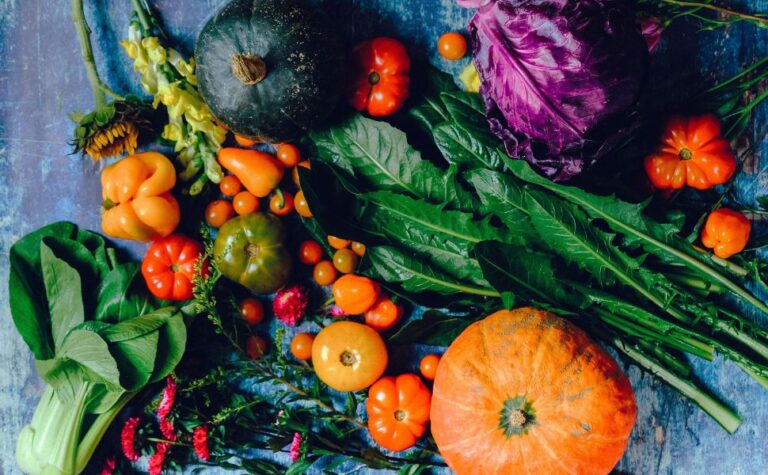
column 200, row 443
column 295, row 449
column 127, row 439
column 169, row 396
column 109, row 466
column 157, row 460
column 290, row 303
column 166, row 427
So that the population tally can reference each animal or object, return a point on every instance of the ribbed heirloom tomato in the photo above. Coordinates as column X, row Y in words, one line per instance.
column 398, row 411
column 384, row 314
column 355, row 294
column 380, row 76
column 349, row 356
column 169, row 267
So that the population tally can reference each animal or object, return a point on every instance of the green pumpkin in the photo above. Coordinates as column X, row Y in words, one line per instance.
column 270, row 69
column 250, row 250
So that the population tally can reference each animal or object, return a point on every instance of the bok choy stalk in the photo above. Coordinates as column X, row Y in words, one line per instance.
column 97, row 338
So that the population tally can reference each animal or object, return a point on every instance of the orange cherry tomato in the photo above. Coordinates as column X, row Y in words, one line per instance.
column 345, row 261
column 398, row 411
column 301, row 346
column 380, row 76
column 358, row 248
column 252, row 311
column 310, row 252
column 281, row 206
column 302, row 207
column 338, row 243
column 259, row 172
column 288, row 154
column 306, row 164
column 324, row 273
column 355, row 294
column 230, row 185
column 218, row 212
column 245, row 141
column 693, row 153
column 428, row 366
column 384, row 314
column 256, row 347
column 452, row 46
column 726, row 232
column 245, row 203
column 348, row 356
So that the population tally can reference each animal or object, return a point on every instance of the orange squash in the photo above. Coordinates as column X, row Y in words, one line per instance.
column 524, row 391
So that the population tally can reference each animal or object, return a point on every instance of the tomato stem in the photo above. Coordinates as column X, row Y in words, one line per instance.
column 685, row 154
column 374, row 78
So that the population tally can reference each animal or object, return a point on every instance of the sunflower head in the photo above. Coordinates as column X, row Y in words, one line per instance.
column 113, row 129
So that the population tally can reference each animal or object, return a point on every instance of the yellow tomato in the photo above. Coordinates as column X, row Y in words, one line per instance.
column 348, row 356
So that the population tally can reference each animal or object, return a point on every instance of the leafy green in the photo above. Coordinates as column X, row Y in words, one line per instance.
column 433, row 328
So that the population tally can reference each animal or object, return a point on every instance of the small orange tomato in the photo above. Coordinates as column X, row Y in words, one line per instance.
column 301, row 346
column 355, row 294
column 281, row 205
column 338, row 243
column 726, row 232
column 348, row 356
column 288, row 155
column 306, row 164
column 230, row 185
column 384, row 314
column 244, row 141
column 218, row 212
column 398, row 411
column 245, row 203
column 428, row 366
column 452, row 46
column 345, row 261
column 252, row 311
column 259, row 172
column 310, row 252
column 256, row 346
column 302, row 207
column 358, row 248
column 324, row 273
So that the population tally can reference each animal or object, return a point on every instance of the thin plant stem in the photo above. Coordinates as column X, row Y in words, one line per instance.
column 84, row 36
column 144, row 17
column 725, row 11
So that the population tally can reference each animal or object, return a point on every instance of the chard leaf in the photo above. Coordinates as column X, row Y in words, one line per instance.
column 89, row 350
column 433, row 328
column 170, row 348
column 138, row 326
column 118, row 299
column 79, row 257
column 505, row 198
column 64, row 292
column 392, row 265
column 135, row 359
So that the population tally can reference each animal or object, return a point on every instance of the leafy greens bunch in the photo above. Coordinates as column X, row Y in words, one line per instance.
column 489, row 227
column 97, row 338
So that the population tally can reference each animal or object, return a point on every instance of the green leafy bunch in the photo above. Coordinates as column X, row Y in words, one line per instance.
column 97, row 338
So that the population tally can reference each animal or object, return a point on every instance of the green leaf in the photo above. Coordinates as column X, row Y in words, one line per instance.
column 505, row 198
column 118, row 299
column 431, row 110
column 136, row 359
column 89, row 350
column 64, row 293
column 170, row 348
column 460, row 147
column 433, row 328
column 138, row 326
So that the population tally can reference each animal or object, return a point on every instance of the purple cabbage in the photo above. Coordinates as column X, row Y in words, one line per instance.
column 559, row 78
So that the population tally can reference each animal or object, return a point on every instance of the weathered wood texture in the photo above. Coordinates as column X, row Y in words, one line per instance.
column 41, row 79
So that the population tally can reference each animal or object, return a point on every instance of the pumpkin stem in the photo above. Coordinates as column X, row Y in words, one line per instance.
column 248, row 68
column 685, row 154
column 517, row 416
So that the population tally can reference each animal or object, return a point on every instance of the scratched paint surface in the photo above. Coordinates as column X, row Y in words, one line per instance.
column 41, row 79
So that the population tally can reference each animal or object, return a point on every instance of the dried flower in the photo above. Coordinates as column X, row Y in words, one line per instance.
column 295, row 449
column 337, row 312
column 128, row 439
column 169, row 396
column 200, row 442
column 109, row 466
column 157, row 460
column 290, row 303
column 166, row 428
column 651, row 28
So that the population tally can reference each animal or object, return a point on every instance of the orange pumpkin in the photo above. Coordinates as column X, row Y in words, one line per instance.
column 526, row 391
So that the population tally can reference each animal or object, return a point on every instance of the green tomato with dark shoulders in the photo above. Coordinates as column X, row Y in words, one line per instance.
column 251, row 251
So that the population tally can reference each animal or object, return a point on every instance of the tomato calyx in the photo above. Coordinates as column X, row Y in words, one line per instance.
column 400, row 415
column 374, row 78
column 685, row 154
column 252, row 250
column 347, row 358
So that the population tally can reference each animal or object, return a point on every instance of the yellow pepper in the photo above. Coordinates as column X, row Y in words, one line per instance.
column 138, row 204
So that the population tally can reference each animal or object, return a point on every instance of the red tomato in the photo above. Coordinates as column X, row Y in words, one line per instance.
column 281, row 206
column 256, row 346
column 252, row 311
column 169, row 267
column 380, row 76
column 310, row 252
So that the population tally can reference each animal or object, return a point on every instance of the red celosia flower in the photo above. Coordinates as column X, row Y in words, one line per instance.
column 127, row 439
column 295, row 449
column 200, row 442
column 337, row 312
column 157, row 459
column 109, row 466
column 166, row 427
column 169, row 395
column 290, row 303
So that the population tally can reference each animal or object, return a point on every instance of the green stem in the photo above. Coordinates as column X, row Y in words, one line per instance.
column 144, row 17
column 84, row 36
column 725, row 11
column 96, row 431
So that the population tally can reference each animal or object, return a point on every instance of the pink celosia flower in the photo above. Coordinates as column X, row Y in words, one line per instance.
column 169, row 396
column 109, row 466
column 295, row 449
column 290, row 303
column 157, row 460
column 166, row 427
column 127, row 439
column 200, row 442
column 337, row 312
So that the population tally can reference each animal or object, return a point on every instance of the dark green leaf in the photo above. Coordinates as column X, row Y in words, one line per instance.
column 170, row 348
column 91, row 351
column 433, row 328
column 64, row 294
column 119, row 298
column 431, row 110
column 504, row 196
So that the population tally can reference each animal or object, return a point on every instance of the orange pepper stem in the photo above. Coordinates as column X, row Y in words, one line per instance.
column 107, row 204
column 281, row 197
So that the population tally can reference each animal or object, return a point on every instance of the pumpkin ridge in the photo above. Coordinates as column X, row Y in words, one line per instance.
column 543, row 441
column 539, row 356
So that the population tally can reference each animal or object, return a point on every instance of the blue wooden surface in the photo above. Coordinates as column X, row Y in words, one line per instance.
column 41, row 79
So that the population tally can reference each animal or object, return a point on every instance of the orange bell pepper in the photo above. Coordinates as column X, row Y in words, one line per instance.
column 259, row 172
column 138, row 204
column 726, row 232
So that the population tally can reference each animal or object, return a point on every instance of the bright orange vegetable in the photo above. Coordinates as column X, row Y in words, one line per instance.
column 245, row 141
column 301, row 346
column 338, row 243
column 452, row 45
column 428, row 366
column 349, row 356
column 302, row 207
column 398, row 411
column 138, row 204
column 692, row 153
column 310, row 252
column 230, row 185
column 726, row 232
column 295, row 174
column 288, row 154
column 245, row 203
column 170, row 267
column 384, row 314
column 358, row 248
column 355, row 294
column 380, row 76
column 324, row 273
column 259, row 172
column 345, row 260
column 218, row 212
column 281, row 204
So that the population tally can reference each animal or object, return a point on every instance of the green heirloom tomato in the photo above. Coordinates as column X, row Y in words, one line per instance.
column 249, row 250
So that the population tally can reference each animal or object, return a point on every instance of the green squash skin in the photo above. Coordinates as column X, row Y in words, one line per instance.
column 305, row 64
column 267, row 267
